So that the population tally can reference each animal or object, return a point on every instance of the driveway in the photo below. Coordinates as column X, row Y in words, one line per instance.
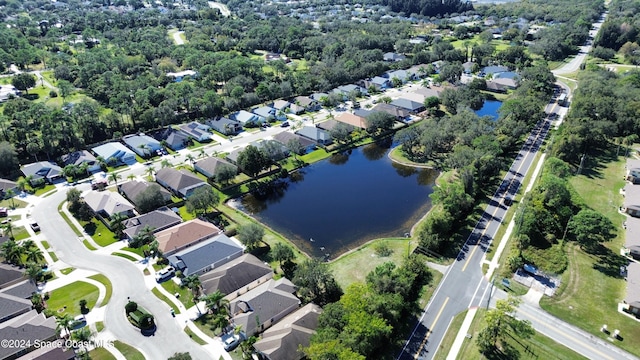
column 127, row 282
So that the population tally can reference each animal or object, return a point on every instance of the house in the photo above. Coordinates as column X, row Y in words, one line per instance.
column 274, row 150
column 269, row 113
column 306, row 103
column 82, row 158
column 411, row 106
column 236, row 277
column 399, row 113
column 419, row 71
column 28, row 328
column 428, row 91
column 495, row 87
column 6, row 185
column 206, row 255
column 181, row 183
column 55, row 350
column 115, row 152
column 7, row 92
column 380, row 83
column 158, row 220
column 13, row 306
column 347, row 90
column 352, row 120
column 184, row 235
column 281, row 105
column 402, row 75
column 197, row 131
column 314, row 134
column 285, row 137
column 504, row 82
column 179, row 76
column 208, row 166
column 248, row 119
column 261, row 307
column 42, row 171
column 468, row 67
column 318, row 96
column 173, row 139
column 633, row 288
column 143, row 145
column 225, row 125
column 9, row 275
column 329, row 125
column 284, row 340
column 393, row 57
column 108, row 203
column 490, row 70
column 132, row 189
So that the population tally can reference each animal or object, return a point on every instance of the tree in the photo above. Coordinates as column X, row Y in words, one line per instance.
column 192, row 282
column 113, row 176
column 590, row 228
column 143, row 237
column 82, row 335
column 379, row 121
column 250, row 235
column 12, row 252
column 34, row 273
column 33, row 255
column 150, row 199
column 500, row 322
column 23, row 81
column 295, row 146
column 202, row 199
column 215, row 301
column 341, row 133
column 66, row 88
column 63, row 323
column 8, row 158
column 224, row 173
column 180, row 356
column 252, row 161
column 316, row 283
column 117, row 224
column 282, row 253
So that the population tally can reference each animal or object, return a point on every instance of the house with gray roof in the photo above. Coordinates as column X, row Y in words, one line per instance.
column 225, row 125
column 9, row 275
column 246, row 118
column 23, row 289
column 115, row 151
column 413, row 107
column 281, row 105
column 42, row 171
column 208, row 166
column 132, row 189
column 179, row 182
column 490, row 70
column 258, row 309
column 393, row 57
column 173, row 139
column 285, row 137
column 82, row 158
column 399, row 113
column 236, row 277
column 318, row 96
column 315, row 134
column 305, row 103
column 206, row 255
column 6, row 185
column 108, row 203
column 269, row 113
column 158, row 220
column 401, row 75
column 380, row 83
column 349, row 89
column 197, row 131
column 31, row 328
column 284, row 340
column 12, row 306
column 143, row 145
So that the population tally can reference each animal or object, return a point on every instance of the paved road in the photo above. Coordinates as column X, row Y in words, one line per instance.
column 126, row 280
column 574, row 65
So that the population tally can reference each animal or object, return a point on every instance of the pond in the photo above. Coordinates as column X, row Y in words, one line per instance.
column 340, row 203
column 490, row 108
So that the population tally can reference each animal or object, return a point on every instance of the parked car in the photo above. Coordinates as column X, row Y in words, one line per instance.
column 78, row 322
column 284, row 124
column 34, row 226
column 231, row 341
column 165, row 274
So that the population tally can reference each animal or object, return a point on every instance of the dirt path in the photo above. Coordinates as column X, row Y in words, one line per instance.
column 224, row 10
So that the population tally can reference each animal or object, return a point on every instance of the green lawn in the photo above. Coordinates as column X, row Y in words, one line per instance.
column 107, row 284
column 123, row 255
column 591, row 287
column 129, row 352
column 45, row 244
column 315, row 156
column 450, row 336
column 20, row 233
column 13, row 203
column 162, row 297
column 53, row 256
column 99, row 232
column 205, row 324
column 99, row 326
column 67, row 271
column 354, row 266
column 138, row 251
column 101, row 354
column 186, row 297
column 194, row 337
column 65, row 299
column 88, row 245
column 68, row 221
column 41, row 190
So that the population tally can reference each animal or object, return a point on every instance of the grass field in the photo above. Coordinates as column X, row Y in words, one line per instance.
column 194, row 337
column 124, row 256
column 107, row 284
column 186, row 297
column 591, row 287
column 65, row 299
column 129, row 352
column 13, row 203
column 101, row 354
column 99, row 232
column 162, row 297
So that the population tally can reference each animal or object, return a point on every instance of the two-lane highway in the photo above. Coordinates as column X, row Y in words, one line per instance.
column 464, row 285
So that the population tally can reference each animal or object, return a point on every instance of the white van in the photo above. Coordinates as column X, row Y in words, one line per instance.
column 165, row 274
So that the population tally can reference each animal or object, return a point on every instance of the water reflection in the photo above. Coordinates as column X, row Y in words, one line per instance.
column 340, row 158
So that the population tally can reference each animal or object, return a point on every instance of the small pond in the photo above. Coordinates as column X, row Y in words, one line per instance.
column 338, row 204
column 490, row 108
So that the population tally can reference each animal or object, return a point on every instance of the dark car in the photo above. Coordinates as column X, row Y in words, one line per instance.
column 284, row 124
column 35, row 227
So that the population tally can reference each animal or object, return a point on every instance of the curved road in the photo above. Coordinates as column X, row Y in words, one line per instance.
column 126, row 280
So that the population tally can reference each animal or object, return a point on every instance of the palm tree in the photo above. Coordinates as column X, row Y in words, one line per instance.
column 64, row 323
column 10, row 194
column 83, row 335
column 131, row 177
column 150, row 172
column 190, row 158
column 193, row 283
column 220, row 321
column 8, row 229
column 165, row 163
column 117, row 224
column 34, row 273
column 21, row 184
column 34, row 255
column 12, row 252
column 215, row 301
column 201, row 153
column 115, row 177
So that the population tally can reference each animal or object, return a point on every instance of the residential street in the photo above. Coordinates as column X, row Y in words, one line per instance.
column 127, row 282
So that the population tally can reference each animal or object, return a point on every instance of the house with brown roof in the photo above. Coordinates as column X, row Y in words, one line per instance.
column 132, row 190
column 285, row 137
column 184, row 235
column 305, row 103
column 263, row 306
column 398, row 113
column 352, row 119
column 181, row 183
column 284, row 340
column 208, row 166
column 236, row 277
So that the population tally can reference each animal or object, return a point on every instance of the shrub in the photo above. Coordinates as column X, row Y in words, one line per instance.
column 53, row 94
column 131, row 307
column 382, row 249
